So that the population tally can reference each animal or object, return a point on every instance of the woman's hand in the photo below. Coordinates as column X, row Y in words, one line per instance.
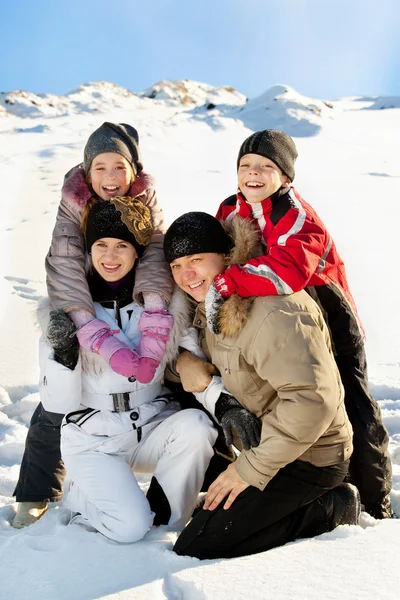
column 229, row 482
column 195, row 373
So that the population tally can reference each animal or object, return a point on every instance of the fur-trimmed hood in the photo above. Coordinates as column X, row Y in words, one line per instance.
column 77, row 193
column 234, row 312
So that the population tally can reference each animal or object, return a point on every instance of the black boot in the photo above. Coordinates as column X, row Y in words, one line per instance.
column 158, row 503
column 382, row 510
column 343, row 505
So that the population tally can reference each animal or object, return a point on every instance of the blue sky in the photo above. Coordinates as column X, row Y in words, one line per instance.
column 322, row 48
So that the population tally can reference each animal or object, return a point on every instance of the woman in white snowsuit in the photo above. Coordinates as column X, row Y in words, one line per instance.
column 114, row 425
column 112, row 166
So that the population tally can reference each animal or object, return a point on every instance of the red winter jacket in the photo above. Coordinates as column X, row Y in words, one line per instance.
column 299, row 253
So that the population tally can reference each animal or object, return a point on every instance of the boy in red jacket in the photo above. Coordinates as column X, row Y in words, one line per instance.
column 300, row 253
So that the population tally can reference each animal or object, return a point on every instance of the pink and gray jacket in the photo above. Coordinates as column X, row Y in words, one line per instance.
column 66, row 261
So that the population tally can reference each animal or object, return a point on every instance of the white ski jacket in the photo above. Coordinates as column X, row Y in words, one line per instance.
column 93, row 384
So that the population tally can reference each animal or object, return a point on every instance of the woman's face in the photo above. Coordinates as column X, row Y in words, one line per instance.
column 194, row 274
column 113, row 258
column 110, row 175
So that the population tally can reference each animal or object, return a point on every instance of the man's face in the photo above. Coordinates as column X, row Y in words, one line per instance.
column 195, row 273
column 259, row 178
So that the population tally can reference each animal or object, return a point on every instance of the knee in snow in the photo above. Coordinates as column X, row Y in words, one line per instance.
column 131, row 529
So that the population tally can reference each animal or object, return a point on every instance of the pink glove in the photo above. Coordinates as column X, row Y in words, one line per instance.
column 155, row 328
column 147, row 369
column 97, row 337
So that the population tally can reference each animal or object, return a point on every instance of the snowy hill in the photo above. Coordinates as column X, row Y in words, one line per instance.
column 103, row 96
column 192, row 93
column 90, row 97
column 281, row 107
column 190, row 133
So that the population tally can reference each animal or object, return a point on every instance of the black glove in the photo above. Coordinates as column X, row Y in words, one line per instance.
column 232, row 415
column 213, row 303
column 61, row 335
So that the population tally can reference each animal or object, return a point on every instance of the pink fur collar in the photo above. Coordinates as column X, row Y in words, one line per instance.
column 77, row 192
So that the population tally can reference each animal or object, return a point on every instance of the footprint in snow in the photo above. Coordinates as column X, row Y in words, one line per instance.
column 21, row 288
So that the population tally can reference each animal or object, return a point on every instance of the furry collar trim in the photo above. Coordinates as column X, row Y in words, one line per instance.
column 77, row 193
column 235, row 311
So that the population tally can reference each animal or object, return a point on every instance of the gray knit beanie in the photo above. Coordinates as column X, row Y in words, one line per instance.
column 114, row 137
column 275, row 145
column 195, row 233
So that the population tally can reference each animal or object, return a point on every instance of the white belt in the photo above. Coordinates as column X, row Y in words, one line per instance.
column 122, row 401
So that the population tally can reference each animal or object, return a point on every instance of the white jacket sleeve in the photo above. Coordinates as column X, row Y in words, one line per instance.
column 208, row 398
column 190, row 342
column 60, row 388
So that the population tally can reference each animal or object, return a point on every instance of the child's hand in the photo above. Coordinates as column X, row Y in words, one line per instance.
column 97, row 337
column 155, row 328
column 124, row 361
column 225, row 285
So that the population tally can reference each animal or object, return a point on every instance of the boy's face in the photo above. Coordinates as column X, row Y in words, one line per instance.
column 195, row 273
column 110, row 175
column 259, row 178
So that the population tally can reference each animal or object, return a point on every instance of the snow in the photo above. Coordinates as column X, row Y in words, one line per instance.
column 347, row 169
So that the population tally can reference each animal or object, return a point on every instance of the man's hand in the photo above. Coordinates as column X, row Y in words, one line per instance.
column 195, row 373
column 229, row 482
column 232, row 415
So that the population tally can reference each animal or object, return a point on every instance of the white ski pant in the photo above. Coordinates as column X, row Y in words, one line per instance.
column 104, row 489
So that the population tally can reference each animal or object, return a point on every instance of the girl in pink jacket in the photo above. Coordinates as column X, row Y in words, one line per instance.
column 112, row 166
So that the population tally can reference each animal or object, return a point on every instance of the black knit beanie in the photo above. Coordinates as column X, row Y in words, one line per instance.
column 195, row 233
column 275, row 145
column 114, row 137
column 106, row 221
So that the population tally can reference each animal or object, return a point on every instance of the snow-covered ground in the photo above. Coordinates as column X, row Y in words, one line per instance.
column 190, row 134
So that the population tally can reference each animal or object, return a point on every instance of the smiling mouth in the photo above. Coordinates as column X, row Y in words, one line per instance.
column 110, row 268
column 110, row 189
column 254, row 184
column 194, row 286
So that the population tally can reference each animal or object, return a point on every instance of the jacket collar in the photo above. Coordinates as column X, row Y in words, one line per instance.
column 77, row 193
column 246, row 210
column 234, row 313
column 107, row 294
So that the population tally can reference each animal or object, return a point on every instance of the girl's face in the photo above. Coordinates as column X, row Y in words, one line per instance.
column 113, row 258
column 110, row 175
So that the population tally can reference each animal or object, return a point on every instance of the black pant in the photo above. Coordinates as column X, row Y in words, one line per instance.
column 42, row 472
column 288, row 508
column 370, row 466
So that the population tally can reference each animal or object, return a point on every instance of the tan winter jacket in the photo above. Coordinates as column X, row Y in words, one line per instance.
column 274, row 355
column 66, row 259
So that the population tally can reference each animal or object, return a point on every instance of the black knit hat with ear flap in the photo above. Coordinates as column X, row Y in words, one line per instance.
column 195, row 233
column 114, row 137
column 124, row 218
column 275, row 145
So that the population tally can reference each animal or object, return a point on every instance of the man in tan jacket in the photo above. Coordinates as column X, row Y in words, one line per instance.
column 278, row 388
